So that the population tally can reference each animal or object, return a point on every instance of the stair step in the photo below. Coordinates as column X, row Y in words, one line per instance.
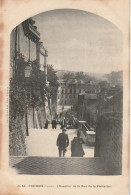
column 60, row 166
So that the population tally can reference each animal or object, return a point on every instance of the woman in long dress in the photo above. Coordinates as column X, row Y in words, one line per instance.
column 76, row 146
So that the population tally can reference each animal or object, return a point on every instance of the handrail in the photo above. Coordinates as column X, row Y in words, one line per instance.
column 85, row 126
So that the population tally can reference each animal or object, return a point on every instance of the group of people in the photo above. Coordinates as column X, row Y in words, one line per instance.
column 63, row 140
column 69, row 123
column 76, row 144
column 54, row 124
column 64, row 123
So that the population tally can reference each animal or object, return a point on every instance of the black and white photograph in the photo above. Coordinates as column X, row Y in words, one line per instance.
column 66, row 95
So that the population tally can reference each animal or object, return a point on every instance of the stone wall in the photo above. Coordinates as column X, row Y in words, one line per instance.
column 109, row 140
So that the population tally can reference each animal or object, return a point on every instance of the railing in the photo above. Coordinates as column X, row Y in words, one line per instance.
column 88, row 127
column 87, row 134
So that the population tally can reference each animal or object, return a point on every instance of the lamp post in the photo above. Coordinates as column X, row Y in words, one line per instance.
column 27, row 72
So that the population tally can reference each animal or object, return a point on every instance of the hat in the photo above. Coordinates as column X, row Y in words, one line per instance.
column 63, row 129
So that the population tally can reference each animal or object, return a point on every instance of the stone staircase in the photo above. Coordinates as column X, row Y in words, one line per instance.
column 60, row 166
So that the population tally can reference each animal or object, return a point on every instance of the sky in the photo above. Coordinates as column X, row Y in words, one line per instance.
column 80, row 41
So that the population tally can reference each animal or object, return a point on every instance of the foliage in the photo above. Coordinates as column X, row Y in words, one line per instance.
column 17, row 98
column 37, row 86
column 27, row 91
column 86, row 78
column 69, row 75
column 77, row 75
column 51, row 76
column 32, row 91
column 115, row 78
column 80, row 75
column 17, row 146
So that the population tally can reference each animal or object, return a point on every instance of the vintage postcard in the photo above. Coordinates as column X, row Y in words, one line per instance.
column 64, row 97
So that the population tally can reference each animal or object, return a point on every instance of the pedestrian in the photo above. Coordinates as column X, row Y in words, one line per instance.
column 46, row 124
column 76, row 146
column 76, row 124
column 62, row 142
column 54, row 123
column 63, row 123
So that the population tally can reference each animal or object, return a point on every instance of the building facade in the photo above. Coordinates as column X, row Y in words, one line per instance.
column 68, row 91
column 26, row 53
column 25, row 43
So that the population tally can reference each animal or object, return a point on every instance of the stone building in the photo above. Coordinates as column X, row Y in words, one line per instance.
column 68, row 91
column 92, row 87
column 26, row 51
column 25, row 43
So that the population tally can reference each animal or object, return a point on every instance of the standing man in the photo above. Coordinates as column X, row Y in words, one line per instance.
column 62, row 142
column 63, row 123
column 53, row 124
column 46, row 124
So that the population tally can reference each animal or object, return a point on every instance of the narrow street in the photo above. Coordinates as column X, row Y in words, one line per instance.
column 42, row 142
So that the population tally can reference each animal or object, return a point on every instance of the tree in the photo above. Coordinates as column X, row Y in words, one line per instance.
column 80, row 75
column 27, row 91
column 68, row 76
column 77, row 75
column 116, row 78
column 51, row 76
column 37, row 85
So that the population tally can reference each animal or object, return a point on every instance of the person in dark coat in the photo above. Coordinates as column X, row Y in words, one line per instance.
column 46, row 124
column 63, row 123
column 76, row 146
column 62, row 142
column 54, row 123
column 76, row 124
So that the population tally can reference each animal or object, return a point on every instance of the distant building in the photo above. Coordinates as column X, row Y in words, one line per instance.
column 69, row 90
column 103, row 85
column 92, row 88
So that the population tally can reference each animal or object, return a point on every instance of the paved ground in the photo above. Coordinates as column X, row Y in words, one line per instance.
column 42, row 142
